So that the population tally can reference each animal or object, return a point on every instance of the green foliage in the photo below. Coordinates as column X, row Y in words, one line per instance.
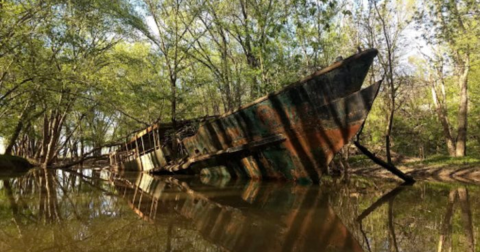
column 116, row 67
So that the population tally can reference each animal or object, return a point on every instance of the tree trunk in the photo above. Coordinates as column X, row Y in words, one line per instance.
column 389, row 75
column 443, row 118
column 445, row 241
column 13, row 139
column 467, row 218
column 52, row 131
column 391, row 227
column 461, row 148
column 246, row 43
column 390, row 167
column 389, row 132
column 173, row 82
column 18, row 129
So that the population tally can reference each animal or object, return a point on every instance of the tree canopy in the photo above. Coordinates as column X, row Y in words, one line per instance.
column 78, row 75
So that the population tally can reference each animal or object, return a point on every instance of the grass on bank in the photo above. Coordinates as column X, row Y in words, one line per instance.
column 444, row 161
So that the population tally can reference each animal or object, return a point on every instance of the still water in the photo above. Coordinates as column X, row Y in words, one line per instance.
column 100, row 210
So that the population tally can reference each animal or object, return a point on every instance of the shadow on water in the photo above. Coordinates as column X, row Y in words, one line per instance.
column 97, row 210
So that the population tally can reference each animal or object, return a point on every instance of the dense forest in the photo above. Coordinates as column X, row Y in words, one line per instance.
column 78, row 75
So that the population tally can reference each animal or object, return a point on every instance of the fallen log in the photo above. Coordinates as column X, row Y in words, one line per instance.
column 391, row 168
column 86, row 156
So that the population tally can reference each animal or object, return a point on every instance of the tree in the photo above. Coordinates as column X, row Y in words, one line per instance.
column 383, row 26
column 454, row 24
column 172, row 20
column 60, row 61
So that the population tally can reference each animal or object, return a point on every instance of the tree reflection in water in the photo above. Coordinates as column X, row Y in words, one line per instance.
column 48, row 210
column 77, row 210
column 409, row 218
column 459, row 195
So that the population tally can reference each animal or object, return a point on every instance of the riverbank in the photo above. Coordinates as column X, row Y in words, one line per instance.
column 439, row 168
column 13, row 164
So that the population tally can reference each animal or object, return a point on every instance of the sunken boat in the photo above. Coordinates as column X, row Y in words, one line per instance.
column 290, row 134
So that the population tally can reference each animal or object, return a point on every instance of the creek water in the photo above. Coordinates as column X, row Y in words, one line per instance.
column 103, row 210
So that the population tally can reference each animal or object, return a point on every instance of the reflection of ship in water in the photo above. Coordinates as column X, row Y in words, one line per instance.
column 242, row 216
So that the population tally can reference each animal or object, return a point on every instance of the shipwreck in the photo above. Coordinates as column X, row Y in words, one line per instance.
column 290, row 134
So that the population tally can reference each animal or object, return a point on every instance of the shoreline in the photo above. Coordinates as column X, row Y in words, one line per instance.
column 467, row 173
column 13, row 165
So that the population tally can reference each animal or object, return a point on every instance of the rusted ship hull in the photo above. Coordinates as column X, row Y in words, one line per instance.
column 294, row 140
column 290, row 134
column 146, row 149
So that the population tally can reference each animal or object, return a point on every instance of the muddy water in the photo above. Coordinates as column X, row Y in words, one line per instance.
column 99, row 210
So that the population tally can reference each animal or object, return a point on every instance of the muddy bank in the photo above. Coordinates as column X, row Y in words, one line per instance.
column 464, row 173
column 13, row 165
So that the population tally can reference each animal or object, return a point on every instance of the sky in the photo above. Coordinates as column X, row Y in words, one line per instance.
column 2, row 148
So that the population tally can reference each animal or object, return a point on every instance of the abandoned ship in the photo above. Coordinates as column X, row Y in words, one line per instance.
column 290, row 134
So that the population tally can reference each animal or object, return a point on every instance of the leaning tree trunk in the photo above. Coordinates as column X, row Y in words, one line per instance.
column 18, row 129
column 14, row 137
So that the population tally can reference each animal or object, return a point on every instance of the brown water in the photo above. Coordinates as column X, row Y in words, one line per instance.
column 98, row 210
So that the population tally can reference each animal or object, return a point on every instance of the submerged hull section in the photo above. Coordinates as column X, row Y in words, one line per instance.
column 144, row 162
column 308, row 135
